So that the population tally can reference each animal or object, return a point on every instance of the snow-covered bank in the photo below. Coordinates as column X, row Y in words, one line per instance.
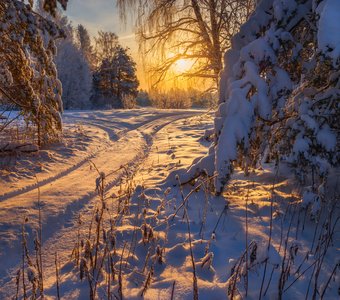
column 145, row 244
column 69, row 187
column 85, row 134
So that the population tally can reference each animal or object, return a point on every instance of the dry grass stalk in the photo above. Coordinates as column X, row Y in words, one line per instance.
column 147, row 281
column 56, row 262
column 23, row 259
column 246, row 275
column 120, row 278
column 185, row 214
column 173, row 290
column 270, row 234
column 195, row 286
column 17, row 284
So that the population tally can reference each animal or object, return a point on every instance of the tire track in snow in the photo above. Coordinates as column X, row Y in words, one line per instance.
column 56, row 225
column 113, row 137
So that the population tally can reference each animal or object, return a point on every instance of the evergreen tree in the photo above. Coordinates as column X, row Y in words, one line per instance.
column 126, row 81
column 279, row 93
column 115, row 77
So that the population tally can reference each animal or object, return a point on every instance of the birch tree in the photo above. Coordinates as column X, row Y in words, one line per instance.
column 195, row 30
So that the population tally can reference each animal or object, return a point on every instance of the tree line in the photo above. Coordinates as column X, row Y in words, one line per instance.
column 46, row 66
column 102, row 75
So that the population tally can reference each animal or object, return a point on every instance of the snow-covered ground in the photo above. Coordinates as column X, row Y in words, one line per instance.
column 65, row 173
column 154, row 236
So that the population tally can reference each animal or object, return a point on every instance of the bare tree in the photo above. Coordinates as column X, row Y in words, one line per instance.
column 195, row 30
column 105, row 47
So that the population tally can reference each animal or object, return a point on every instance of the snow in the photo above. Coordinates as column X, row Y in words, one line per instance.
column 326, row 138
column 74, row 75
column 329, row 28
column 152, row 230
column 280, row 82
column 310, row 122
column 270, row 96
column 66, row 177
column 133, row 209
column 282, row 7
column 308, row 197
column 258, row 50
column 301, row 145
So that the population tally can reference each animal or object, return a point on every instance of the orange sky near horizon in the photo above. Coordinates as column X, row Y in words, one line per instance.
column 104, row 15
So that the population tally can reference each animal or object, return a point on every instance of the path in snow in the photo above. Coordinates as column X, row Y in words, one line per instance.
column 115, row 131
column 65, row 193
column 154, row 144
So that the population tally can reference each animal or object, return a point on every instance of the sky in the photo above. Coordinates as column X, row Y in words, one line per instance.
column 104, row 15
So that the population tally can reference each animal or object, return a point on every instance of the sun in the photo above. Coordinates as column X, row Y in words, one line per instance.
column 182, row 65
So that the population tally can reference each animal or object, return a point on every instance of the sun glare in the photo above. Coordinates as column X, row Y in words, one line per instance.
column 182, row 66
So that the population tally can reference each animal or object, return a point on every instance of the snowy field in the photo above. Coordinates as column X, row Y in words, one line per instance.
column 114, row 224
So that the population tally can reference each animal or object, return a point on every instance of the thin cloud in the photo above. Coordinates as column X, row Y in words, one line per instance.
column 127, row 37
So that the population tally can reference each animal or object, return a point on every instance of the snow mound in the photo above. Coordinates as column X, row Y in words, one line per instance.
column 329, row 28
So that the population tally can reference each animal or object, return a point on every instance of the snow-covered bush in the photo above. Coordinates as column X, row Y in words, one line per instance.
column 129, row 101
column 73, row 70
column 279, row 92
column 174, row 98
column 143, row 98
column 75, row 76
column 71, row 61
column 203, row 100
column 28, row 77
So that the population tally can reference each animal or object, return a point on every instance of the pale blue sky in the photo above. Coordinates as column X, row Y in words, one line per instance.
column 102, row 15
